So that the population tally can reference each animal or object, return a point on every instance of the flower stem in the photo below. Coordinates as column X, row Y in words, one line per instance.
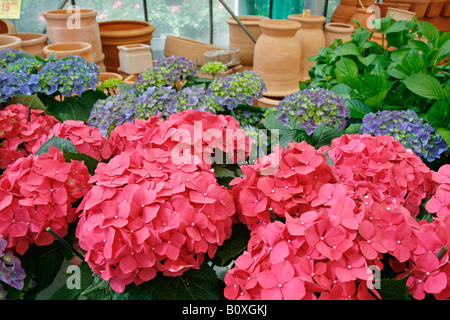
column 441, row 252
column 65, row 243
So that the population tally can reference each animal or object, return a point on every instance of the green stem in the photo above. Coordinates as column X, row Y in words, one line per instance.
column 65, row 243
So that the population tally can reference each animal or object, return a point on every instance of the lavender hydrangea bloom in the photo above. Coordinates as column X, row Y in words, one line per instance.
column 180, row 67
column 238, row 88
column 26, row 65
column 12, row 83
column 68, row 76
column 11, row 271
column 408, row 128
column 8, row 56
column 314, row 107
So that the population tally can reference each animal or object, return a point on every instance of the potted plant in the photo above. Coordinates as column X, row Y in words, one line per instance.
column 64, row 49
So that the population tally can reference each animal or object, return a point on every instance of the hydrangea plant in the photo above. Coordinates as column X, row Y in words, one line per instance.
column 314, row 107
column 11, row 271
column 68, row 76
column 27, row 65
column 238, row 88
column 213, row 67
column 14, row 83
column 407, row 127
column 8, row 56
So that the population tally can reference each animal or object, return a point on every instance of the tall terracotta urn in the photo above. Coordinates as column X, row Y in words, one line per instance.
column 312, row 37
column 240, row 39
column 32, row 43
column 75, row 26
column 277, row 57
column 336, row 30
column 122, row 32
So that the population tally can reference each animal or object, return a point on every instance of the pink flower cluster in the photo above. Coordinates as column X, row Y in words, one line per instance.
column 19, row 134
column 338, row 224
column 149, row 212
column 86, row 139
column 36, row 192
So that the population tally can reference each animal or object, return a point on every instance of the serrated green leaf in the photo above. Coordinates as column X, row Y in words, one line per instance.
column 358, row 109
column 222, row 172
column 323, row 135
column 60, row 143
column 347, row 49
column 353, row 128
column 90, row 162
column 439, row 114
column 425, row 86
column 393, row 289
column 445, row 134
column 235, row 245
column 429, row 31
column 32, row 101
column 346, row 70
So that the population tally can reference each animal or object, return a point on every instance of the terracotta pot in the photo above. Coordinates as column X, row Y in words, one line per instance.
column 277, row 57
column 360, row 15
column 343, row 13
column 446, row 10
column 191, row 49
column 399, row 14
column 266, row 102
column 384, row 7
column 61, row 28
column 130, row 79
column 240, row 39
column 7, row 27
column 311, row 37
column 10, row 42
column 64, row 49
column 122, row 32
column 135, row 58
column 434, row 8
column 417, row 6
column 335, row 30
column 32, row 43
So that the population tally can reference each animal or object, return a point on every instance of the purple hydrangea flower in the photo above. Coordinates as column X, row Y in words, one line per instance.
column 238, row 88
column 11, row 272
column 8, row 56
column 408, row 128
column 314, row 107
column 14, row 83
column 68, row 76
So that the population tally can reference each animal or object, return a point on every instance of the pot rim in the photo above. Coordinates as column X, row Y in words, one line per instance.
column 82, row 47
column 64, row 14
column 339, row 26
column 144, row 28
column 311, row 19
column 40, row 37
column 13, row 40
column 253, row 20
column 280, row 24
column 400, row 10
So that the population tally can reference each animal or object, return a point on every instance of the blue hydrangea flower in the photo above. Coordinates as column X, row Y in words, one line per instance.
column 11, row 272
column 8, row 56
column 26, row 65
column 247, row 118
column 408, row 128
column 238, row 88
column 180, row 67
column 314, row 107
column 14, row 83
column 68, row 76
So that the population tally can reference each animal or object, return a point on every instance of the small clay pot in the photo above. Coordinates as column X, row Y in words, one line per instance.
column 10, row 42
column 135, row 58
column 399, row 14
column 335, row 30
column 64, row 49
column 32, row 43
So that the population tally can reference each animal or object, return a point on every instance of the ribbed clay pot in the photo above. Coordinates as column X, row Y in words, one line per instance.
column 64, row 49
column 240, row 39
column 122, row 32
column 277, row 57
column 32, row 43
column 61, row 27
column 335, row 30
column 384, row 7
column 10, row 42
column 343, row 13
column 312, row 37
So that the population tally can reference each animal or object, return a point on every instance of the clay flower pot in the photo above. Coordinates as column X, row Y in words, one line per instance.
column 384, row 7
column 60, row 28
column 335, row 30
column 311, row 37
column 7, row 27
column 434, row 8
column 10, row 42
column 417, row 6
column 191, row 49
column 277, row 57
column 343, row 13
column 135, row 58
column 32, row 43
column 64, row 49
column 119, row 33
column 240, row 39
column 446, row 10
column 360, row 15
column 399, row 14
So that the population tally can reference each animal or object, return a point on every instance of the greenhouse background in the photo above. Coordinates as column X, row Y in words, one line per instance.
column 182, row 18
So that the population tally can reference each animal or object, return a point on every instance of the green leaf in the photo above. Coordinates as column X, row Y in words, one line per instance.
column 60, row 143
column 292, row 135
column 398, row 26
column 413, row 62
column 90, row 162
column 393, row 289
column 222, row 172
column 347, row 49
column 346, row 69
column 354, row 128
column 425, row 86
column 64, row 293
column 32, row 101
column 323, row 135
column 439, row 114
column 358, row 109
column 445, row 134
column 271, row 121
column 342, row 90
column 124, row 87
column 235, row 245
column 429, row 31
column 194, row 284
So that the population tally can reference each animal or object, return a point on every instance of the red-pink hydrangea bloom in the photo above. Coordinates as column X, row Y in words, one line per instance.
column 37, row 192
column 19, row 134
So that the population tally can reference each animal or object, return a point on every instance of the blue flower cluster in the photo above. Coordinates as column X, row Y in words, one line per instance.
column 11, row 272
column 314, row 107
column 68, row 76
column 408, row 128
column 238, row 88
column 12, row 83
column 166, row 71
column 8, row 56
